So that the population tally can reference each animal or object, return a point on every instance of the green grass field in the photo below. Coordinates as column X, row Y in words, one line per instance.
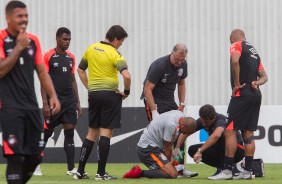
column 56, row 173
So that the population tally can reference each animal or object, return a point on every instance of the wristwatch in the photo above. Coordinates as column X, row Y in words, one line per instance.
column 182, row 104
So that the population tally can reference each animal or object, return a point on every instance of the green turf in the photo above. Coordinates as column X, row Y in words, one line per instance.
column 56, row 173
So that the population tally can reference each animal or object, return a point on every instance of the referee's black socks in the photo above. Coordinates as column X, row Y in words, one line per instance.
column 84, row 154
column 103, row 152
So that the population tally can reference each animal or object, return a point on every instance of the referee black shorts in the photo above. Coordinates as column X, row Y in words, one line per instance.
column 104, row 109
column 243, row 112
column 22, row 132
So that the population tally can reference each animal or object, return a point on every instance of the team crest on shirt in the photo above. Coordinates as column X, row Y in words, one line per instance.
column 8, row 40
column 9, row 51
column 162, row 156
column 30, row 51
column 55, row 65
column 180, row 72
column 12, row 140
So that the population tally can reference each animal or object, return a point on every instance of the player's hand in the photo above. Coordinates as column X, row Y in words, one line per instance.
column 55, row 105
column 124, row 96
column 181, row 108
column 155, row 114
column 23, row 40
column 197, row 157
column 236, row 88
column 255, row 84
column 78, row 109
column 46, row 111
column 176, row 153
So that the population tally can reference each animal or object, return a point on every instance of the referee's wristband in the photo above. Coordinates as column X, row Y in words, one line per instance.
column 126, row 92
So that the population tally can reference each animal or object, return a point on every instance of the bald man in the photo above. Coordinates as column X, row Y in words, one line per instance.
column 163, row 76
column 247, row 75
column 154, row 148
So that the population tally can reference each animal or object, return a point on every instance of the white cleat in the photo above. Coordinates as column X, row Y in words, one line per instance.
column 184, row 173
column 38, row 171
column 72, row 172
column 245, row 175
column 223, row 175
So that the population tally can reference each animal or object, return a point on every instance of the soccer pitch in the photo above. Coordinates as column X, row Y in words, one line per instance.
column 56, row 173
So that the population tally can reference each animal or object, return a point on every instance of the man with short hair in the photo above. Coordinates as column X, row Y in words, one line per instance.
column 163, row 76
column 60, row 64
column 247, row 74
column 154, row 148
column 105, row 100
column 212, row 151
column 22, row 127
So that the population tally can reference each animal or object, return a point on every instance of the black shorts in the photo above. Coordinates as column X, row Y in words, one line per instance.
column 152, row 157
column 104, row 109
column 243, row 112
column 22, row 132
column 66, row 115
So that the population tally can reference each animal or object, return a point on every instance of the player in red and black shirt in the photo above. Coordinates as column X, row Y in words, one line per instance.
column 20, row 55
column 60, row 64
column 247, row 74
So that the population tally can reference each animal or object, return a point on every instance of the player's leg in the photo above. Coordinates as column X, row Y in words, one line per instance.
column 110, row 113
column 85, row 152
column 156, row 161
column 13, row 128
column 34, row 144
column 29, row 165
column 69, row 120
column 69, row 147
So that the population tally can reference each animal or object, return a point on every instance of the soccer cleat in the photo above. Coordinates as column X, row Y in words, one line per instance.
column 37, row 171
column 72, row 172
column 218, row 170
column 184, row 173
column 245, row 175
column 134, row 172
column 78, row 176
column 105, row 177
column 223, row 175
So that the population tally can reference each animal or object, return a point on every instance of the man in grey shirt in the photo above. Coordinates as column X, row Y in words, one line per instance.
column 154, row 148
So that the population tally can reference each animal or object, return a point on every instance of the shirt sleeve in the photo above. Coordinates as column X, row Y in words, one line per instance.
column 2, row 53
column 74, row 61
column 260, row 65
column 38, row 52
column 155, row 73
column 83, row 65
column 236, row 48
column 185, row 70
column 46, row 61
column 119, row 62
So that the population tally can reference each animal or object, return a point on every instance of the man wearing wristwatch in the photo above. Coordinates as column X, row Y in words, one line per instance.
column 163, row 76
column 212, row 151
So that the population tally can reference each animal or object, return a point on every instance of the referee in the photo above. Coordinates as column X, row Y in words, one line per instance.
column 103, row 62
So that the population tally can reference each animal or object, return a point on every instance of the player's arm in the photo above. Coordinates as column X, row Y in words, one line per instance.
column 168, row 149
column 148, row 92
column 6, row 64
column 262, row 78
column 74, row 86
column 83, row 77
column 45, row 108
column 47, row 85
column 126, row 82
column 181, row 94
column 213, row 138
column 235, row 71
